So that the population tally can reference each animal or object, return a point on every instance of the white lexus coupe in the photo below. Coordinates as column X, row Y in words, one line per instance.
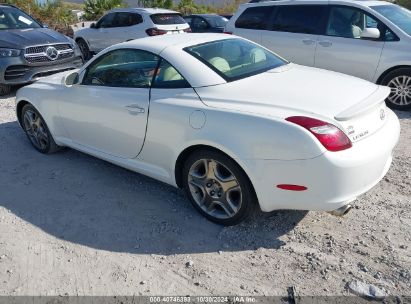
column 232, row 123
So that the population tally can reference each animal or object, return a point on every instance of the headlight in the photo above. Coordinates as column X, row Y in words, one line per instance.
column 73, row 43
column 9, row 53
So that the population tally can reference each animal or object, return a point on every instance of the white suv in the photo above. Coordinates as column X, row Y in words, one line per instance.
column 367, row 39
column 120, row 25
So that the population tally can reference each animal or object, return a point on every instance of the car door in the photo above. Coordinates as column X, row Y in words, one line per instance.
column 100, row 37
column 107, row 112
column 294, row 31
column 342, row 49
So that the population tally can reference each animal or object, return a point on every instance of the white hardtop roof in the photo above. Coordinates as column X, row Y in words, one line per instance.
column 147, row 10
column 157, row 44
column 358, row 2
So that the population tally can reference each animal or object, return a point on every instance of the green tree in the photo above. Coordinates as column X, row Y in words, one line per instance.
column 156, row 3
column 94, row 9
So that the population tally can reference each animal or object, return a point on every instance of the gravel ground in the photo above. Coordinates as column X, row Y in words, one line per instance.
column 71, row 224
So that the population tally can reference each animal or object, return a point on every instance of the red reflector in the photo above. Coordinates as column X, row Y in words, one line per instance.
column 228, row 33
column 292, row 187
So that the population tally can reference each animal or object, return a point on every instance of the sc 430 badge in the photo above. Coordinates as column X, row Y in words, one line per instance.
column 360, row 135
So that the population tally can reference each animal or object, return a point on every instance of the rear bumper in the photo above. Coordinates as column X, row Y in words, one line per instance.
column 332, row 179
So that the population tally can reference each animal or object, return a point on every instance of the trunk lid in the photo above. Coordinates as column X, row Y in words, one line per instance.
column 350, row 103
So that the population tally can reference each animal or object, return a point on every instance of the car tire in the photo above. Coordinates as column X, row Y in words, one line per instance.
column 37, row 131
column 5, row 89
column 218, row 188
column 399, row 81
column 83, row 46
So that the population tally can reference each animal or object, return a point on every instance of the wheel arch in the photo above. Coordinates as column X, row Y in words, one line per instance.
column 19, row 109
column 385, row 73
column 178, row 168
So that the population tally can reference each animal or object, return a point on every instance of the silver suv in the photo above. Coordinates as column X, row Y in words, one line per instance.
column 124, row 24
column 29, row 51
column 367, row 39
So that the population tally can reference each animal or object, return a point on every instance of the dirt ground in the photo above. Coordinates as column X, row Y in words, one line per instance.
column 71, row 224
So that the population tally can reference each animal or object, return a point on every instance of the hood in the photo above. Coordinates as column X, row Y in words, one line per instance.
column 296, row 90
column 22, row 38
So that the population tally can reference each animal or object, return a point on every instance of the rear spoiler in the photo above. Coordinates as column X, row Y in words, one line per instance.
column 376, row 98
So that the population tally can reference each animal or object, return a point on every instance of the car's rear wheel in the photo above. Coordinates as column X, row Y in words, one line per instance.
column 218, row 188
column 400, row 83
column 4, row 89
column 37, row 131
column 82, row 44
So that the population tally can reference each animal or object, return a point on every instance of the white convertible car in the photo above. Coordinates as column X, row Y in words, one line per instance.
column 232, row 123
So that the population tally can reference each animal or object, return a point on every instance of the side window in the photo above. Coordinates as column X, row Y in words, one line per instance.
column 168, row 77
column 350, row 22
column 255, row 18
column 106, row 21
column 305, row 19
column 200, row 23
column 347, row 22
column 128, row 19
column 126, row 68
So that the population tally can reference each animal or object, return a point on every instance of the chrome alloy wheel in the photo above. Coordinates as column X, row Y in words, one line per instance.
column 400, row 90
column 35, row 129
column 215, row 189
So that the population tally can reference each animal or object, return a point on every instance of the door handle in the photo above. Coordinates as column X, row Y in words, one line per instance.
column 325, row 43
column 308, row 41
column 135, row 109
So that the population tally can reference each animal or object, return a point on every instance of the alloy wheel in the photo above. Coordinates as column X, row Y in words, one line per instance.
column 400, row 90
column 215, row 188
column 36, row 130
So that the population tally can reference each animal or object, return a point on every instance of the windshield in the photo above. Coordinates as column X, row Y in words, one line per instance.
column 398, row 15
column 217, row 21
column 12, row 18
column 235, row 58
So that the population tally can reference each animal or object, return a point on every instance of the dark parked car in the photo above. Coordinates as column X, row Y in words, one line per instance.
column 29, row 50
column 206, row 23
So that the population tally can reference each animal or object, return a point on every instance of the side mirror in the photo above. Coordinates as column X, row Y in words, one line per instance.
column 370, row 33
column 93, row 25
column 71, row 79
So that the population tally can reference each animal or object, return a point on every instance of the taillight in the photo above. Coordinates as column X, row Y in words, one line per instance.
column 228, row 33
column 188, row 30
column 331, row 137
column 155, row 32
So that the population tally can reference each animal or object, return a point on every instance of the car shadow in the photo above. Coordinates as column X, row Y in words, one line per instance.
column 403, row 114
column 87, row 201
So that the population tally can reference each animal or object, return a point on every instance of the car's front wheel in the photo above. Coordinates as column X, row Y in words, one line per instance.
column 218, row 188
column 82, row 44
column 400, row 83
column 37, row 131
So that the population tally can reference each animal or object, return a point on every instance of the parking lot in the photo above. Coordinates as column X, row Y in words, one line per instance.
column 71, row 224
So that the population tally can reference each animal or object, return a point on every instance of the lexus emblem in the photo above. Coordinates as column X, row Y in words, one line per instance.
column 382, row 114
column 52, row 53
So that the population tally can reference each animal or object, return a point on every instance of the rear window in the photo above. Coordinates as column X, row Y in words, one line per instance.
column 163, row 19
column 255, row 18
column 306, row 19
column 235, row 59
